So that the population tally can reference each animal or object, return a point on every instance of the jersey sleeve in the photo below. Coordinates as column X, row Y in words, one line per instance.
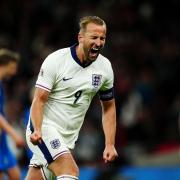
column 47, row 74
column 106, row 91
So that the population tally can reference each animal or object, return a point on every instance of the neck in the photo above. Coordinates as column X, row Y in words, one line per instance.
column 80, row 53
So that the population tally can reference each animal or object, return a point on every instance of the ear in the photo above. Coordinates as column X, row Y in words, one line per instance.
column 80, row 38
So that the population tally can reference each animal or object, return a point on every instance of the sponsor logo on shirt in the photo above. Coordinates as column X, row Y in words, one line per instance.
column 66, row 79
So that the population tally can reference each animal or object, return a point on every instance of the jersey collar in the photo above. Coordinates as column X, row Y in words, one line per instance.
column 75, row 57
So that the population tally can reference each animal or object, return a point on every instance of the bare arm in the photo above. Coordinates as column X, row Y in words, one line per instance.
column 109, row 128
column 10, row 130
column 37, row 108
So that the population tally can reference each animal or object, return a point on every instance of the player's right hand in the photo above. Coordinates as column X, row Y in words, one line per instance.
column 36, row 137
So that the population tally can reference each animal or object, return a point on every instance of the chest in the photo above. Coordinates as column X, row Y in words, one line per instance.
column 88, row 79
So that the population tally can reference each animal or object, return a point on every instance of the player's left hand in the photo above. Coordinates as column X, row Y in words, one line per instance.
column 109, row 153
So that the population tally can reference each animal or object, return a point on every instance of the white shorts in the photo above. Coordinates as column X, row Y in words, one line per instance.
column 52, row 146
column 45, row 172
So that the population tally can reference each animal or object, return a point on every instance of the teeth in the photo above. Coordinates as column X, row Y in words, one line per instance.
column 96, row 49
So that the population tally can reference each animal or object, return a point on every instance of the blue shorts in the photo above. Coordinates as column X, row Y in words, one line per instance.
column 7, row 159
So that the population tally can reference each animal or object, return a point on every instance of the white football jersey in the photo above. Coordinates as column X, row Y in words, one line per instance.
column 72, row 86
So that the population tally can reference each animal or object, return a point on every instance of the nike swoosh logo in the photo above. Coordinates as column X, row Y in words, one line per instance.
column 66, row 79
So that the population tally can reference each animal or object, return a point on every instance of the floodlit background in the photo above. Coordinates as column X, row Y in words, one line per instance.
column 143, row 44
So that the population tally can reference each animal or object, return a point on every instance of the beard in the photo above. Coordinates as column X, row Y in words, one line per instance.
column 91, row 54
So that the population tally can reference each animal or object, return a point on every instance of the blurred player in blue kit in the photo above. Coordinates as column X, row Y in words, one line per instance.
column 8, row 67
column 67, row 82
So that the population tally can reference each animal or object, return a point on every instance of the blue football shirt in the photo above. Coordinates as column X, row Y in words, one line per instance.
column 7, row 159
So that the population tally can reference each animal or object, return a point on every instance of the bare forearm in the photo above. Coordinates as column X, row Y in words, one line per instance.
column 37, row 108
column 37, row 114
column 109, row 127
column 109, row 121
column 6, row 126
column 10, row 130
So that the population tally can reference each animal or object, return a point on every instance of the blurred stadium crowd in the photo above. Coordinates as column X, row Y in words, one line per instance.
column 143, row 44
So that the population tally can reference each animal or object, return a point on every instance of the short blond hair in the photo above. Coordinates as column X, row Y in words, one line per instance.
column 84, row 21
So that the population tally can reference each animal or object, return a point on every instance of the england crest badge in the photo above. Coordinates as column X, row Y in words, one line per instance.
column 96, row 80
column 55, row 144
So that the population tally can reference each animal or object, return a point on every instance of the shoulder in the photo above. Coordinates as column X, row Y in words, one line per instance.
column 104, row 62
column 58, row 56
column 56, row 60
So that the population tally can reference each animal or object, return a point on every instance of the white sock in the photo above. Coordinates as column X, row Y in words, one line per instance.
column 67, row 177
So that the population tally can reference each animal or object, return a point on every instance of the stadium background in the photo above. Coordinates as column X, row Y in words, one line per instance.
column 143, row 44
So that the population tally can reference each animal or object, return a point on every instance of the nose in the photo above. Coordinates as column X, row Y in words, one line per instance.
column 98, row 42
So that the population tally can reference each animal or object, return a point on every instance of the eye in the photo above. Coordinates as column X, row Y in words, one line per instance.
column 94, row 37
column 102, row 38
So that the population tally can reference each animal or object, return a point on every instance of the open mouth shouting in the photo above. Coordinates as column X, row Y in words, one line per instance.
column 94, row 52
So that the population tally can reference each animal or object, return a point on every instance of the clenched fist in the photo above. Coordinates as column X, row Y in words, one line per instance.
column 109, row 153
column 36, row 137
